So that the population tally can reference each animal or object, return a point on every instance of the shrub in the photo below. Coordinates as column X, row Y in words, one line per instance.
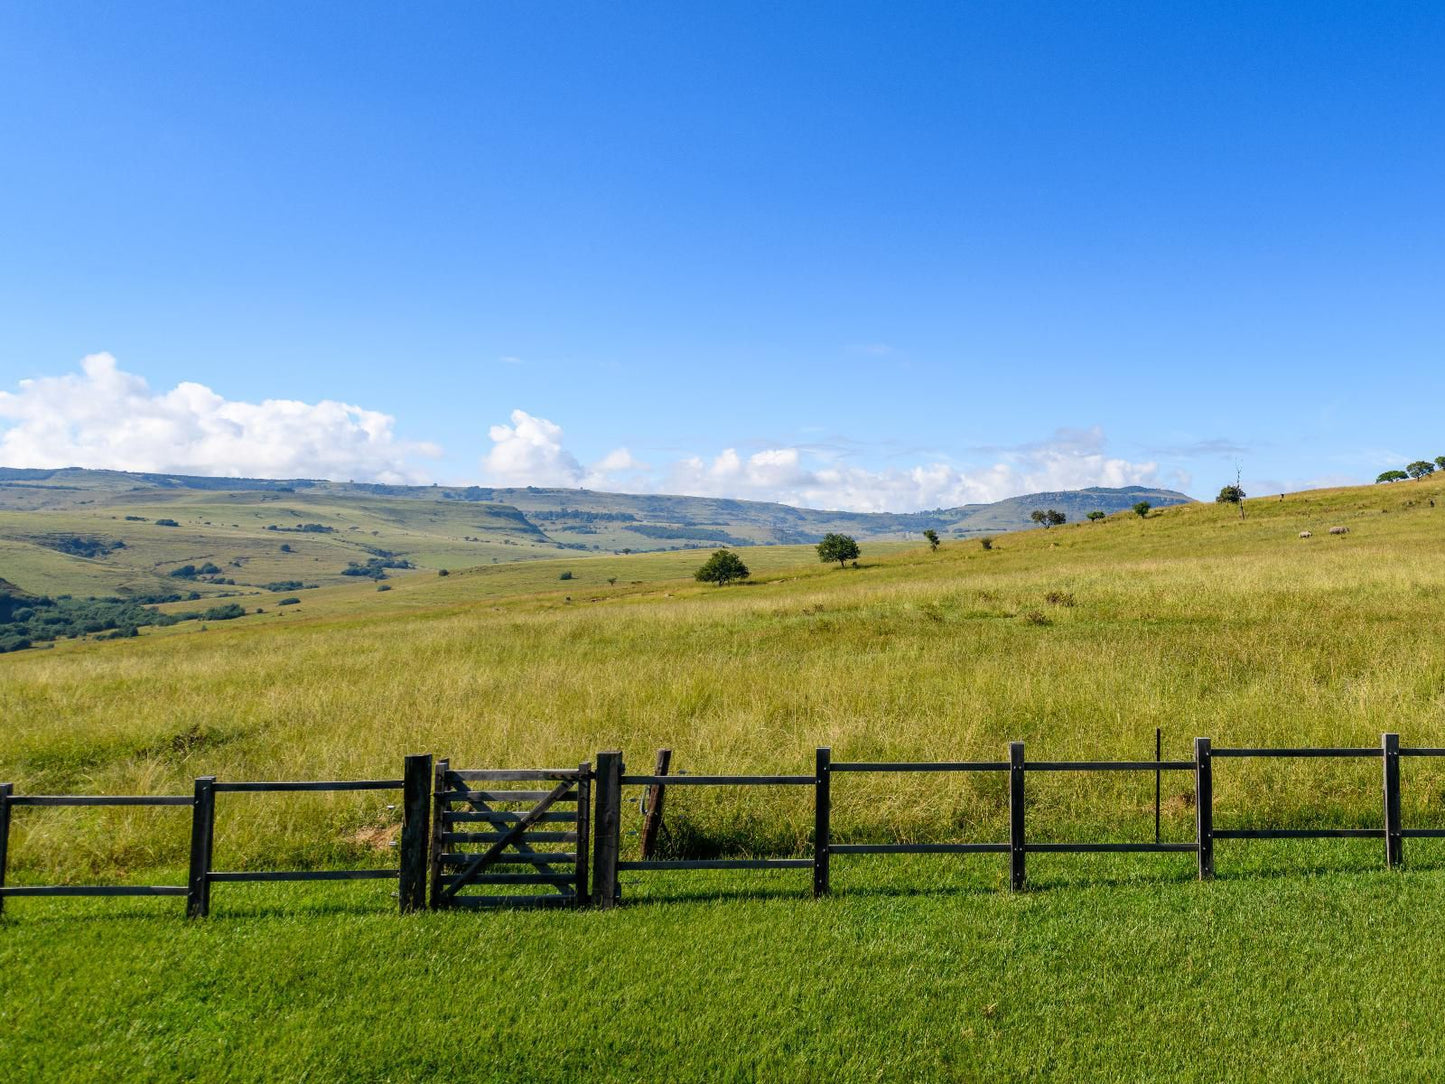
column 292, row 601
column 1059, row 598
column 383, row 587
column 1101, row 515
column 838, row 547
column 931, row 537
column 565, row 576
column 1036, row 617
column 224, row 613
column 286, row 548
column 166, row 523
column 1142, row 509
column 986, row 542
column 443, row 572
column 1230, row 495
column 722, row 568
column 190, row 572
column 79, row 545
column 375, row 567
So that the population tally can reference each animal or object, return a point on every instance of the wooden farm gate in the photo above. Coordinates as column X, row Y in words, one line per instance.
column 497, row 842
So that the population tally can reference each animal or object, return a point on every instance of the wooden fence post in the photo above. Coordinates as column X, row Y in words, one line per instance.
column 652, row 802
column 440, row 804
column 607, row 827
column 822, row 806
column 6, row 789
column 1204, row 807
column 1394, row 841
column 1016, row 814
column 584, row 830
column 203, row 833
column 415, row 832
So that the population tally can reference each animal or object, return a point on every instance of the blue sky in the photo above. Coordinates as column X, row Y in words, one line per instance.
column 862, row 255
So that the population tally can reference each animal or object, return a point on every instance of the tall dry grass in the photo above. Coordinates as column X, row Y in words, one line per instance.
column 1190, row 621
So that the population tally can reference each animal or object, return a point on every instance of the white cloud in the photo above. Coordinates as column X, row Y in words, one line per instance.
column 531, row 451
column 104, row 417
column 782, row 474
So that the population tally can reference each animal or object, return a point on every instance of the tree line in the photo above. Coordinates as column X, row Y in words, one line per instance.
column 1421, row 468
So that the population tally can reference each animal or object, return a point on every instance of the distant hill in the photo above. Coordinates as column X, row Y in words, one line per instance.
column 96, row 532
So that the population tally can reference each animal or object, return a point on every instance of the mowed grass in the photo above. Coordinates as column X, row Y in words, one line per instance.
column 1324, row 977
column 1301, row 962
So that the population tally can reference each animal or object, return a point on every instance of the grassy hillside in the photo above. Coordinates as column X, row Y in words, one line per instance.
column 1078, row 640
column 1190, row 620
column 113, row 533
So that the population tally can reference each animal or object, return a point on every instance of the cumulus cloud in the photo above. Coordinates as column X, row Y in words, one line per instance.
column 104, row 417
column 531, row 451
column 783, row 474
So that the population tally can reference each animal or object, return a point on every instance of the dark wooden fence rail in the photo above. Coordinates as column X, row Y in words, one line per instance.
column 1017, row 847
column 10, row 800
column 411, row 874
column 608, row 863
column 428, row 791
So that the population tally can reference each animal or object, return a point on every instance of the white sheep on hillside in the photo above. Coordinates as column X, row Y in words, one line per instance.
column 1307, row 534
column 1339, row 530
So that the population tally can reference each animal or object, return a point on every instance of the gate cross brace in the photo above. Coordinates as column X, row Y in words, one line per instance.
column 479, row 861
column 523, row 847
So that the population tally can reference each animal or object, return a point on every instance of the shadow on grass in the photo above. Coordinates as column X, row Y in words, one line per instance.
column 1304, row 867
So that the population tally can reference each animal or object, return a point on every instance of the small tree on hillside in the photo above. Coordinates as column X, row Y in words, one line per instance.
column 931, row 537
column 1420, row 468
column 838, row 547
column 1440, row 461
column 1232, row 495
column 1391, row 476
column 1094, row 516
column 1142, row 509
column 1048, row 517
column 722, row 568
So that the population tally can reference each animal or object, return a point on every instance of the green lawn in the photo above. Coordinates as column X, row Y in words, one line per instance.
column 1110, row 970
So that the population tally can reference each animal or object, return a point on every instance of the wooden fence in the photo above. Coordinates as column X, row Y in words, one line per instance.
column 434, row 866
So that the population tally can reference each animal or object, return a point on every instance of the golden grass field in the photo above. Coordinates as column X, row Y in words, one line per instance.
column 1191, row 620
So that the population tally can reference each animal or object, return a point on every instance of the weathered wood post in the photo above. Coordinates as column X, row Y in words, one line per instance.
column 1158, row 778
column 1016, row 814
column 584, row 823
column 6, row 789
column 415, row 831
column 822, row 805
column 652, row 801
column 440, row 804
column 607, row 826
column 203, row 834
column 1204, row 807
column 1394, row 841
